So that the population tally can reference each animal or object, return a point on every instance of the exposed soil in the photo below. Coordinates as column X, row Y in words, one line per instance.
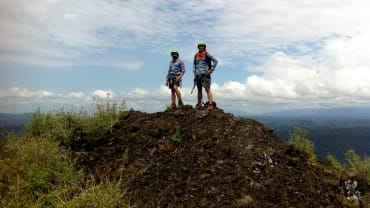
column 201, row 158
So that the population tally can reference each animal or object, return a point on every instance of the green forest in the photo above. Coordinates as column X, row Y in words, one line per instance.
column 330, row 136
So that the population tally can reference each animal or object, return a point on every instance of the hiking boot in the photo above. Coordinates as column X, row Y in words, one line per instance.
column 198, row 106
column 210, row 107
column 180, row 104
column 173, row 106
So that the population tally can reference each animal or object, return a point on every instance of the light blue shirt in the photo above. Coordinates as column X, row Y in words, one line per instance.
column 201, row 66
column 176, row 67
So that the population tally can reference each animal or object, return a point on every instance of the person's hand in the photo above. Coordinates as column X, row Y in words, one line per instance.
column 178, row 78
column 209, row 72
column 167, row 83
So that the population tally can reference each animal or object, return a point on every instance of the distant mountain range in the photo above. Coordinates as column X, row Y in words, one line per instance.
column 13, row 122
column 330, row 113
column 322, row 113
column 333, row 131
column 14, row 119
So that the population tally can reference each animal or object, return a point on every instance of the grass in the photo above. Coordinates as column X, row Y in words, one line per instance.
column 299, row 138
column 36, row 171
column 353, row 161
column 103, row 195
column 360, row 163
column 177, row 137
column 68, row 125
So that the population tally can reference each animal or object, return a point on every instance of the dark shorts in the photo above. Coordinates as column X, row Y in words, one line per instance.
column 204, row 81
column 172, row 82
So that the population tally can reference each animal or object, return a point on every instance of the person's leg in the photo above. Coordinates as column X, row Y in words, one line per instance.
column 173, row 98
column 200, row 96
column 209, row 95
column 207, row 85
column 178, row 94
column 210, row 100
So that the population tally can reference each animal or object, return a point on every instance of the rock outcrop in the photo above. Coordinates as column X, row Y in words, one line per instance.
column 199, row 158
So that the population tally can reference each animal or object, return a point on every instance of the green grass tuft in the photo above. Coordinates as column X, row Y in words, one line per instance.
column 68, row 125
column 36, row 172
column 299, row 138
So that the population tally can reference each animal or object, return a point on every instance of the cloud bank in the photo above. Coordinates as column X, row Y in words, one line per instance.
column 336, row 76
column 300, row 54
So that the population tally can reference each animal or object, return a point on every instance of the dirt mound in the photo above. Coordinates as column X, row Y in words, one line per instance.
column 200, row 158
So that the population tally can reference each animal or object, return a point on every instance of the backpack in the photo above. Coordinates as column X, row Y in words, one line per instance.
column 208, row 60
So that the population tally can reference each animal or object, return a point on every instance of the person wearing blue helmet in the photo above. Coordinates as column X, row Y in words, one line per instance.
column 174, row 76
column 204, row 65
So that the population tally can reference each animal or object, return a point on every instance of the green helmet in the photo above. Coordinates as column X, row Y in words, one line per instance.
column 174, row 51
column 201, row 43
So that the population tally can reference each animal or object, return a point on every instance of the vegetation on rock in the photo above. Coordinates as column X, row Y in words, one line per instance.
column 111, row 157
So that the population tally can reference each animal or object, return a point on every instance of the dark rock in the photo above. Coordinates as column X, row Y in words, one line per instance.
column 221, row 161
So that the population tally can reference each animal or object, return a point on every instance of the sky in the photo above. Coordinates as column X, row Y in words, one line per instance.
column 273, row 55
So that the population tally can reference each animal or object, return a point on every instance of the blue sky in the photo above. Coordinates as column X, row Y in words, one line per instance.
column 273, row 55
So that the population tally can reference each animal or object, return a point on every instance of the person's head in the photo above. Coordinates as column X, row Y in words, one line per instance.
column 202, row 46
column 174, row 54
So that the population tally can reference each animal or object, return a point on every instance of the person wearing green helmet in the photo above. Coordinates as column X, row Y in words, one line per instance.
column 174, row 76
column 203, row 67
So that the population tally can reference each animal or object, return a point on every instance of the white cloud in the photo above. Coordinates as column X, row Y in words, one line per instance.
column 70, row 16
column 103, row 94
column 297, row 53
column 63, row 33
column 125, row 65
column 137, row 92
column 337, row 76
column 20, row 100
column 244, row 26
column 25, row 93
column 76, row 95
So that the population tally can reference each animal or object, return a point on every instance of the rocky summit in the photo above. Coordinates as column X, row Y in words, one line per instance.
column 200, row 158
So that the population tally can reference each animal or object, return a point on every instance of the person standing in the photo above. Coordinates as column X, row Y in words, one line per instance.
column 204, row 65
column 174, row 77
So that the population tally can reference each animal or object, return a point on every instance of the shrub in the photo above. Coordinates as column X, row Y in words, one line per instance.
column 361, row 164
column 103, row 195
column 177, row 137
column 354, row 161
column 41, row 124
column 336, row 165
column 35, row 172
column 103, row 118
column 299, row 138
column 67, row 125
column 3, row 131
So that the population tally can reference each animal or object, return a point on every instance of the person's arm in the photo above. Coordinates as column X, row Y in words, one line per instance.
column 168, row 73
column 194, row 65
column 182, row 70
column 214, row 62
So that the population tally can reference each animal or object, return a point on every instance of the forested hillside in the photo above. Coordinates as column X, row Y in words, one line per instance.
column 330, row 136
